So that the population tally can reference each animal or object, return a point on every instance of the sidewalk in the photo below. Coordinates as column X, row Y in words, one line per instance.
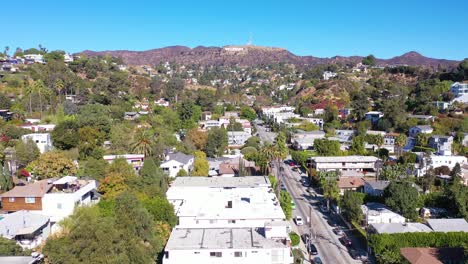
column 302, row 247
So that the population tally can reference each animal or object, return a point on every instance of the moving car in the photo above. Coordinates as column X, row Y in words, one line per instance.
column 299, row 220
column 317, row 260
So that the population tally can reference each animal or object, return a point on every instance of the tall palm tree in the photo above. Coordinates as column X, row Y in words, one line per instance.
column 143, row 143
column 28, row 90
column 40, row 88
column 400, row 142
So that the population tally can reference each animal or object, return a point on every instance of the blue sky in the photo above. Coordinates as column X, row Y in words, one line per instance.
column 320, row 28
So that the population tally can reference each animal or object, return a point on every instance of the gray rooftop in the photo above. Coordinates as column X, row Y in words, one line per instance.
column 424, row 127
column 378, row 185
column 17, row 259
column 393, row 228
column 179, row 156
column 21, row 223
column 448, row 225
column 220, row 182
column 220, row 238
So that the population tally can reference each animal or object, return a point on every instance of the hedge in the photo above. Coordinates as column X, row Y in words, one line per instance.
column 295, row 239
column 386, row 247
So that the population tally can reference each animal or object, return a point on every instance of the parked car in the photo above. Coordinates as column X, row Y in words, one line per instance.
column 293, row 205
column 292, row 163
column 312, row 249
column 338, row 231
column 332, row 223
column 305, row 238
column 346, row 241
column 317, row 260
column 299, row 220
column 283, row 187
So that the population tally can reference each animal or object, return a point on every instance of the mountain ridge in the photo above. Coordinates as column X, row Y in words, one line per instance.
column 255, row 55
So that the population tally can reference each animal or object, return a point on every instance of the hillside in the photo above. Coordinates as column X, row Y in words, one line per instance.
column 253, row 56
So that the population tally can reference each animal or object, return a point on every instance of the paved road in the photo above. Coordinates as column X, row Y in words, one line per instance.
column 329, row 247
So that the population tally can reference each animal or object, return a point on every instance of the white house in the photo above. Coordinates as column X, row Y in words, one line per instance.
column 28, row 229
column 459, row 89
column 425, row 129
column 237, row 138
column 34, row 58
column 435, row 161
column 136, row 160
column 442, row 144
column 328, row 75
column 218, row 202
column 344, row 135
column 375, row 213
column 65, row 195
column 375, row 188
column 226, row 246
column 344, row 163
column 305, row 140
column 374, row 116
column 39, row 127
column 175, row 161
column 42, row 140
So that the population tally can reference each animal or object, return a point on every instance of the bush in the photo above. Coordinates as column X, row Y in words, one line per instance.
column 295, row 239
column 298, row 256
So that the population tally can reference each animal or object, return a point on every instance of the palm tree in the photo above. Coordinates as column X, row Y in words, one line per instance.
column 40, row 88
column 379, row 141
column 400, row 142
column 143, row 143
column 29, row 91
column 59, row 85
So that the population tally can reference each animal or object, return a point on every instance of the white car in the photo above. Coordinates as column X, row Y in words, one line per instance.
column 299, row 220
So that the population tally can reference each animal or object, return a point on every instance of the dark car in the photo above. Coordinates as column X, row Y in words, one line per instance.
column 305, row 238
column 331, row 223
column 312, row 249
column 338, row 231
column 317, row 260
column 346, row 241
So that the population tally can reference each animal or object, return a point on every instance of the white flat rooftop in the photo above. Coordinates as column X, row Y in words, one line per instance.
column 220, row 238
column 393, row 228
column 247, row 181
column 345, row 159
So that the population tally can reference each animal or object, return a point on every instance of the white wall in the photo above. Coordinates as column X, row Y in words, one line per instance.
column 249, row 256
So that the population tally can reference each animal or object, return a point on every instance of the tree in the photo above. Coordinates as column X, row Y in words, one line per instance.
column 403, row 198
column 52, row 164
column 331, row 192
column 65, row 135
column 248, row 113
column 5, row 102
column 369, row 60
column 218, row 142
column 8, row 247
column 285, row 202
column 94, row 168
column 182, row 173
column 152, row 181
column 143, row 142
column 234, row 126
column 400, row 142
column 360, row 105
column 6, row 182
column 457, row 194
column 161, row 210
column 189, row 113
column 282, row 148
column 351, row 205
column 26, row 152
column 358, row 145
column 112, row 185
column 198, row 138
column 200, row 165
column 325, row 147
column 90, row 140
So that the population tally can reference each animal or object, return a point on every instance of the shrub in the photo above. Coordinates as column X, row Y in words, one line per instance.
column 295, row 239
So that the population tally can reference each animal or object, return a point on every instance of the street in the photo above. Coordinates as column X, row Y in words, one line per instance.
column 330, row 249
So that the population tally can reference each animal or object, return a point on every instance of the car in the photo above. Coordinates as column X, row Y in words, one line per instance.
column 283, row 187
column 317, row 260
column 357, row 255
column 331, row 223
column 338, row 231
column 299, row 220
column 312, row 249
column 292, row 163
column 305, row 238
column 295, row 168
column 346, row 241
column 323, row 208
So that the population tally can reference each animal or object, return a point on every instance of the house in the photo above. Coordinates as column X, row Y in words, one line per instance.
column 344, row 135
column 440, row 105
column 435, row 161
column 390, row 139
column 463, row 99
column 39, row 127
column 175, row 161
column 375, row 213
column 207, row 115
column 305, row 140
column 131, row 115
column 214, row 164
column 375, row 188
column 226, row 246
column 230, row 114
column 373, row 116
column 232, row 167
column 448, row 225
column 350, row 184
column 425, row 129
column 327, row 75
column 344, row 112
column 344, row 163
column 397, row 228
column 136, row 160
column 223, row 202
column 34, row 58
column 42, row 140
column 162, row 102
column 6, row 114
column 237, row 138
column 442, row 144
column 459, row 89
column 56, row 199
column 423, row 118
column 432, row 255
column 28, row 229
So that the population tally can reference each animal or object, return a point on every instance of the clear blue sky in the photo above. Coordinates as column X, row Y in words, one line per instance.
column 436, row 29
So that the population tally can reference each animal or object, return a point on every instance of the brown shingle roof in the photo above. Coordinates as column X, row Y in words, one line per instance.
column 432, row 255
column 36, row 189
column 350, row 182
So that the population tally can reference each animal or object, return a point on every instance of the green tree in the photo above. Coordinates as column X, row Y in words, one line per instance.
column 8, row 247
column 6, row 181
column 143, row 143
column 400, row 142
column 351, row 205
column 457, row 195
column 217, row 142
column 331, row 192
column 94, row 168
column 161, row 210
column 325, row 147
column 26, row 152
column 247, row 113
column 182, row 173
column 152, row 181
column 360, row 105
column 403, row 198
column 52, row 164
column 369, row 60
column 65, row 135
column 358, row 145
column 200, row 165
column 90, row 140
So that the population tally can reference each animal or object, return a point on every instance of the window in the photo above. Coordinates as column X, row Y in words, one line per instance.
column 254, row 251
column 59, row 206
column 11, row 199
column 229, row 204
column 212, row 221
column 166, row 254
column 216, row 254
column 196, row 252
column 231, row 221
column 238, row 254
column 30, row 200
